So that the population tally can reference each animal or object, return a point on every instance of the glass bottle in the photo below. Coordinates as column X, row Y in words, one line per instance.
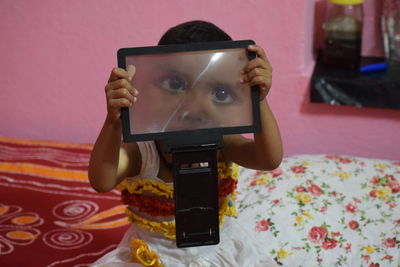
column 391, row 30
column 343, row 34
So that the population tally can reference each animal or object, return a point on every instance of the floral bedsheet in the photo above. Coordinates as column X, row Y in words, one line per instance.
column 325, row 210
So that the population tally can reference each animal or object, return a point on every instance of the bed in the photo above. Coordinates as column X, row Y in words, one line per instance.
column 314, row 210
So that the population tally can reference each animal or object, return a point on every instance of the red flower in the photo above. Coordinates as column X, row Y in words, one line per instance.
column 374, row 265
column 298, row 169
column 391, row 177
column 314, row 190
column 317, row 234
column 388, row 257
column 262, row 225
column 395, row 186
column 375, row 180
column 372, row 193
column 398, row 221
column 336, row 233
column 348, row 247
column 276, row 172
column 324, row 209
column 300, row 189
column 276, row 201
column 270, row 188
column 389, row 243
column 329, row 244
column 332, row 157
column 367, row 258
column 391, row 205
column 351, row 208
column 253, row 183
column 353, row 225
column 345, row 160
column 257, row 173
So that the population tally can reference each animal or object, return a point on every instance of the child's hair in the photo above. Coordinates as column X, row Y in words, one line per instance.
column 193, row 32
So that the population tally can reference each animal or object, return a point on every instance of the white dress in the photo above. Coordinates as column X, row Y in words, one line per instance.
column 237, row 246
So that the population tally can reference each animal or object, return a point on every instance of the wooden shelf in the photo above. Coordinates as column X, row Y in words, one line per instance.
column 379, row 89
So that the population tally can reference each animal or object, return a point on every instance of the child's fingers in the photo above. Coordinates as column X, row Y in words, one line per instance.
column 257, row 63
column 264, row 74
column 115, row 105
column 121, row 83
column 261, row 78
column 118, row 73
column 256, row 72
column 260, row 81
column 259, row 51
column 121, row 93
column 131, row 72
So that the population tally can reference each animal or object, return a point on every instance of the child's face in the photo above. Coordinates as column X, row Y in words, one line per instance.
column 187, row 91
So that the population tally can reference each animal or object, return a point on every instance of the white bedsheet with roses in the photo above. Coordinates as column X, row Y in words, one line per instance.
column 324, row 210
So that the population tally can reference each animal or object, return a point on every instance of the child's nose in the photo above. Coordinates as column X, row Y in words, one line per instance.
column 197, row 108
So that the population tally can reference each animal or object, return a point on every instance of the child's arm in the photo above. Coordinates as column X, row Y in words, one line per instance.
column 265, row 151
column 111, row 160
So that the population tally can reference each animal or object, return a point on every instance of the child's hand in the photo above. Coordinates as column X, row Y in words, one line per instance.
column 258, row 71
column 120, row 92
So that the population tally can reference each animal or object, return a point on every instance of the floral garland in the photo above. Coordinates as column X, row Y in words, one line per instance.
column 167, row 228
column 154, row 206
column 140, row 186
column 161, row 189
column 226, row 187
column 132, row 189
column 148, row 204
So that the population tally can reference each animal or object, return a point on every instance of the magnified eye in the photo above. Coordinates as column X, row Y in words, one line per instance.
column 173, row 83
column 222, row 95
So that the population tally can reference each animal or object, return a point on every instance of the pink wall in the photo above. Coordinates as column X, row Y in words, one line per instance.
column 55, row 57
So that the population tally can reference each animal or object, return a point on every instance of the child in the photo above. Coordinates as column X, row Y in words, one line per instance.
column 148, row 190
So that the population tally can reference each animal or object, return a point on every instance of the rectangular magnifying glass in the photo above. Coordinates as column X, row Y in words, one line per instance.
column 189, row 90
column 190, row 95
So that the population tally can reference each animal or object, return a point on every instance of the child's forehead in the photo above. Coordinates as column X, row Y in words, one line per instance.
column 215, row 65
column 194, row 60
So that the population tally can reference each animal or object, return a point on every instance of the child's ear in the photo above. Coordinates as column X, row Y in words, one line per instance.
column 131, row 72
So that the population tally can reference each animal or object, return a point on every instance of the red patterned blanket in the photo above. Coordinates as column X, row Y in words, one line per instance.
column 49, row 214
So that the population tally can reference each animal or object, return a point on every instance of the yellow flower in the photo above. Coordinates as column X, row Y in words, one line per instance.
column 306, row 163
column 235, row 171
column 141, row 253
column 382, row 192
column 308, row 215
column 381, row 166
column 299, row 220
column 262, row 180
column 303, row 197
column 282, row 254
column 369, row 249
column 343, row 175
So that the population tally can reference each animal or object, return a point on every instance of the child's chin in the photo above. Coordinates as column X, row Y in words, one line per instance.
column 174, row 128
